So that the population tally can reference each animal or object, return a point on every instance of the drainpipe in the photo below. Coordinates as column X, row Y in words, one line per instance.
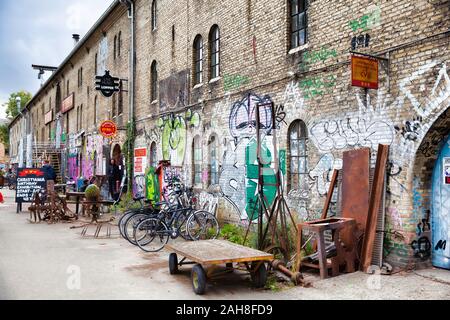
column 131, row 15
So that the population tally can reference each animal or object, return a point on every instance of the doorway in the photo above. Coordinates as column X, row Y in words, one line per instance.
column 440, row 205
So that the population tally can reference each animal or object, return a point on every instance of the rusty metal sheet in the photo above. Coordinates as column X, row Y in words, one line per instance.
column 376, row 198
column 355, row 190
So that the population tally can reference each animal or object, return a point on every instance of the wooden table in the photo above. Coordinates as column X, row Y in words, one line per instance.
column 78, row 196
column 344, row 255
column 212, row 253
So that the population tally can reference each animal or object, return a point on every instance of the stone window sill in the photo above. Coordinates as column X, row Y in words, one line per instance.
column 299, row 48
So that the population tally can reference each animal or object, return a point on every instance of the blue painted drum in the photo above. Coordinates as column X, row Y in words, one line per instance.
column 440, row 222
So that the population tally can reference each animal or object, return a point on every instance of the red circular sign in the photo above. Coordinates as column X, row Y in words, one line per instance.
column 108, row 129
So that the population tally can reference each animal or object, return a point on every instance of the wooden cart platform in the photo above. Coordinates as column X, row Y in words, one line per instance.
column 212, row 253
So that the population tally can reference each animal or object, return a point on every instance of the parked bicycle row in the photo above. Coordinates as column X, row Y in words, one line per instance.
column 152, row 225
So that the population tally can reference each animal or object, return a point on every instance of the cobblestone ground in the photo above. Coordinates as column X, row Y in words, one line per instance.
column 41, row 261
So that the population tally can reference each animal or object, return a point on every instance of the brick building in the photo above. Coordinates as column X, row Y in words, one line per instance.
column 202, row 66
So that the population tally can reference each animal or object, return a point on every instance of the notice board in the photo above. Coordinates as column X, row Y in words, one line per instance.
column 29, row 180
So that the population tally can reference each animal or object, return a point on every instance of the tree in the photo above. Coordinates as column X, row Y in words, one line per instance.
column 11, row 105
column 4, row 135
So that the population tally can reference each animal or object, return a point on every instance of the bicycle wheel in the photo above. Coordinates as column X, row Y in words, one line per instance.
column 151, row 235
column 131, row 224
column 180, row 224
column 122, row 221
column 202, row 225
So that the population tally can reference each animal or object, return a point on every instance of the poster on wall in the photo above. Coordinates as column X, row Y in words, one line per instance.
column 29, row 180
column 446, row 167
column 140, row 161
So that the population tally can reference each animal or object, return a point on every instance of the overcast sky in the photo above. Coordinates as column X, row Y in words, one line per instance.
column 39, row 32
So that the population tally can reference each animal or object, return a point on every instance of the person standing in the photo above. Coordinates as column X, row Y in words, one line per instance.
column 114, row 177
column 49, row 172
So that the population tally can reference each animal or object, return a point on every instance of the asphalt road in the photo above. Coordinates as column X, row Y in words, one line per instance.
column 41, row 261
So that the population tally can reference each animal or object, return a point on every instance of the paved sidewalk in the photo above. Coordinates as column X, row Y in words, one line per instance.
column 41, row 261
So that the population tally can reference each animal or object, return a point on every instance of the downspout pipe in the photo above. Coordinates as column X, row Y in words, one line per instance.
column 131, row 15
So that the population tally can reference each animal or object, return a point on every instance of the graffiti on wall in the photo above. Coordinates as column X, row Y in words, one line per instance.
column 313, row 87
column 367, row 21
column 233, row 82
column 361, row 41
column 174, row 91
column 311, row 57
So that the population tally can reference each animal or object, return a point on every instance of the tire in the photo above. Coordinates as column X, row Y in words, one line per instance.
column 202, row 225
column 173, row 263
column 122, row 221
column 259, row 276
column 198, row 277
column 181, row 225
column 151, row 235
column 131, row 224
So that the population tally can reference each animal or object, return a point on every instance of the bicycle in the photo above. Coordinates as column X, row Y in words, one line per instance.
column 198, row 224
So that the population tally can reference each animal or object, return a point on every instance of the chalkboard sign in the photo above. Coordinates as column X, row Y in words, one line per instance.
column 28, row 182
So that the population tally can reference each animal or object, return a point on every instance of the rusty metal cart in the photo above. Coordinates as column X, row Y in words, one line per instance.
column 211, row 254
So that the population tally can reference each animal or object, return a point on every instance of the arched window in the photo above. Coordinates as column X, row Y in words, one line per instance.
column 198, row 60
column 95, row 110
column 96, row 61
column 154, row 82
column 213, row 160
column 214, row 51
column 298, row 160
column 153, row 159
column 119, row 43
column 298, row 22
column 67, row 88
column 115, row 47
column 197, row 160
column 154, row 8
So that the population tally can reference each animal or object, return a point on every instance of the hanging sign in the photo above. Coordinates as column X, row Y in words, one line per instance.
column 107, row 84
column 364, row 72
column 108, row 129
column 446, row 165
column 29, row 181
column 48, row 117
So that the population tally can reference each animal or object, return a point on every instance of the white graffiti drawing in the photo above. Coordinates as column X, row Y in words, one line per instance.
column 439, row 93
column 139, row 186
column 322, row 172
column 367, row 127
column 298, row 201
column 292, row 96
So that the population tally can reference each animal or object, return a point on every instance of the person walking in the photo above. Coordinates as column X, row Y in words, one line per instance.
column 114, row 177
column 49, row 172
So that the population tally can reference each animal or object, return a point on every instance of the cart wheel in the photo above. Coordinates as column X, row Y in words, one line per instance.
column 259, row 276
column 173, row 263
column 198, row 277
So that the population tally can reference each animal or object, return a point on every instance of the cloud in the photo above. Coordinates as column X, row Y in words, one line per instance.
column 39, row 32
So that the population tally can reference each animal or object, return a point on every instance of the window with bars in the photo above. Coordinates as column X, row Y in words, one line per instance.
column 298, row 22
column 214, row 43
column 298, row 160
column 198, row 60
column 213, row 161
column 154, row 82
column 197, row 160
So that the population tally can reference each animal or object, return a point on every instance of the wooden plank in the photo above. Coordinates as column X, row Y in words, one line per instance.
column 355, row 191
column 209, row 252
column 330, row 194
column 374, row 206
